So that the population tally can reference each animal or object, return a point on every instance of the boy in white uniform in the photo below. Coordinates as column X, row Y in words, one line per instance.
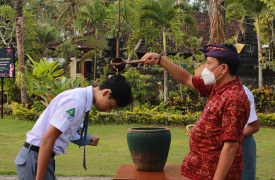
column 60, row 121
column 249, row 144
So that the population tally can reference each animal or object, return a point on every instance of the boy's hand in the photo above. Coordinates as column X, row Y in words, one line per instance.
column 94, row 140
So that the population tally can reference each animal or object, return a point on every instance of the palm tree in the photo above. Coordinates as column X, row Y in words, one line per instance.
column 107, row 3
column 129, row 22
column 252, row 8
column 20, row 47
column 90, row 16
column 98, row 42
column 270, row 17
column 67, row 12
column 45, row 34
column 166, row 15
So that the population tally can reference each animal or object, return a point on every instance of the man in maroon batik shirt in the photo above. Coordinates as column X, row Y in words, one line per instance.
column 215, row 141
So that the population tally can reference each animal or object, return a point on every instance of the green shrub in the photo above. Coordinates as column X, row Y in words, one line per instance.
column 266, row 119
column 144, row 117
column 264, row 99
column 24, row 112
column 38, row 106
column 7, row 109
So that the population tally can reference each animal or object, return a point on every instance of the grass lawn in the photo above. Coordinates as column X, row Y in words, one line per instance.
column 112, row 150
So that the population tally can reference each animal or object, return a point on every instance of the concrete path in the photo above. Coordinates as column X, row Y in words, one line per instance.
column 14, row 177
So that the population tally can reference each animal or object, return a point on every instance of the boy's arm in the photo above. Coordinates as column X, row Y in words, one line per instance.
column 87, row 141
column 45, row 151
column 251, row 128
column 90, row 140
column 226, row 159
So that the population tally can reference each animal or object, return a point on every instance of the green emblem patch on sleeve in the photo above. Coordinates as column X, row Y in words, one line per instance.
column 71, row 112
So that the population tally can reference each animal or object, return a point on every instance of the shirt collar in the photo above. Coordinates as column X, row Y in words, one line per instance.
column 219, row 89
column 89, row 96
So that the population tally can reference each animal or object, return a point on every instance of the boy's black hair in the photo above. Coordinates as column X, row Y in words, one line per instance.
column 121, row 89
column 232, row 65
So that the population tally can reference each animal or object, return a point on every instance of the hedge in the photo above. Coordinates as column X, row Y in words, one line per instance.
column 128, row 117
column 143, row 118
column 162, row 119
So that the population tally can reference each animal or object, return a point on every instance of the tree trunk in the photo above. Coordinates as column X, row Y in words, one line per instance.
column 216, row 14
column 165, row 84
column 181, row 95
column 73, row 21
column 272, row 30
column 118, row 29
column 259, row 54
column 135, row 49
column 20, row 47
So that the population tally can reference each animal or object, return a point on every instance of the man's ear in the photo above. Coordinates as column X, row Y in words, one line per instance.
column 225, row 68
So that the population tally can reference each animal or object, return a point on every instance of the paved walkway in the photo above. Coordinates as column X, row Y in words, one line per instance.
column 14, row 177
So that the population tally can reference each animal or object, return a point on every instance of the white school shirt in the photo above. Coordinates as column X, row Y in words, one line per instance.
column 65, row 112
column 253, row 115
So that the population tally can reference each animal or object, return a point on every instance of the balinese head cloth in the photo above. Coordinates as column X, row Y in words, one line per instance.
column 220, row 52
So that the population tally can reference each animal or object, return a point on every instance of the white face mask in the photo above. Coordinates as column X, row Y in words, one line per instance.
column 208, row 76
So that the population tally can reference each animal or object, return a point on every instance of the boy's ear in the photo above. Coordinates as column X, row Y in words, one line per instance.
column 106, row 92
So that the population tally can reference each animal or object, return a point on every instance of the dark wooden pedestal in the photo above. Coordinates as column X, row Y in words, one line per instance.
column 128, row 172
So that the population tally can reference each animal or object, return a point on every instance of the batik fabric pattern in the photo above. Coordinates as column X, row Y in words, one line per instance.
column 223, row 118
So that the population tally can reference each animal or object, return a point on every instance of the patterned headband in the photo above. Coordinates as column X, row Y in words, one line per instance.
column 220, row 52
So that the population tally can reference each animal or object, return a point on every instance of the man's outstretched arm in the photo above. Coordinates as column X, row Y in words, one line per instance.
column 176, row 71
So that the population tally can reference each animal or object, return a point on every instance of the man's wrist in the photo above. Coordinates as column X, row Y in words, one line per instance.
column 159, row 58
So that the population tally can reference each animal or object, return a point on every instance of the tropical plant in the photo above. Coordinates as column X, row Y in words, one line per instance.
column 167, row 15
column 51, row 89
column 90, row 16
column 40, row 71
column 7, row 24
column 11, row 90
column 45, row 34
column 270, row 4
column 129, row 22
column 66, row 51
column 67, row 14
column 98, row 42
column 138, row 83
column 23, row 112
column 103, row 75
column 267, row 21
column 254, row 8
column 200, row 6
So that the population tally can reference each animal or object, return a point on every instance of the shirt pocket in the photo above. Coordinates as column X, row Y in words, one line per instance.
column 213, row 115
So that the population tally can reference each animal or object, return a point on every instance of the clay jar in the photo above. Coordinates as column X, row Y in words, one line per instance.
column 149, row 147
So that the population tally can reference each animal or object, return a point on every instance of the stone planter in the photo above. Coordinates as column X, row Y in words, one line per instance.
column 149, row 147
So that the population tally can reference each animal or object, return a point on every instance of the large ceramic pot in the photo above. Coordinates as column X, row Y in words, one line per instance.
column 149, row 147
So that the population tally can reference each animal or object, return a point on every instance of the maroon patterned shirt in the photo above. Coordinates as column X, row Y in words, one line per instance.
column 223, row 118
